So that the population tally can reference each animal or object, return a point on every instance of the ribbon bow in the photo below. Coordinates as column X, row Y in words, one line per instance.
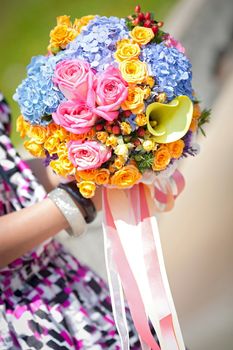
column 135, row 263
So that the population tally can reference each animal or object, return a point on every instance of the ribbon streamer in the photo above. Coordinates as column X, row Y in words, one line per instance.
column 133, row 247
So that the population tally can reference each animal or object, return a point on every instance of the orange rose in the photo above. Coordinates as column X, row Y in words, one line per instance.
column 102, row 177
column 196, row 111
column 176, row 148
column 134, row 101
column 86, row 174
column 87, row 188
column 162, row 159
column 194, row 125
column 64, row 20
column 126, row 177
column 52, row 128
column 60, row 36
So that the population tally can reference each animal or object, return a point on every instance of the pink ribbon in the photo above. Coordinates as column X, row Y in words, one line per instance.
column 129, row 218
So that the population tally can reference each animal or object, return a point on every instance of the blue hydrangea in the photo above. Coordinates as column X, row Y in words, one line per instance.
column 37, row 96
column 170, row 68
column 131, row 121
column 97, row 41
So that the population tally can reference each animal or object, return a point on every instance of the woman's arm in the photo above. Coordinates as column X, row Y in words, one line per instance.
column 23, row 230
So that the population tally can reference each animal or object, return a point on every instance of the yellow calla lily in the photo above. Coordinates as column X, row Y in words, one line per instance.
column 169, row 122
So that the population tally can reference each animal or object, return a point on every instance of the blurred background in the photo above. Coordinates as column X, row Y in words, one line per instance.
column 197, row 236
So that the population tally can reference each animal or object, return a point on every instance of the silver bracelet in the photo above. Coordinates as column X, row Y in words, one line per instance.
column 70, row 211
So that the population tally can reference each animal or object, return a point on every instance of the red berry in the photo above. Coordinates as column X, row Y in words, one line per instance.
column 99, row 127
column 127, row 113
column 148, row 15
column 135, row 21
column 108, row 128
column 116, row 130
column 155, row 29
column 141, row 16
column 137, row 9
column 137, row 142
column 147, row 23
column 141, row 132
column 160, row 24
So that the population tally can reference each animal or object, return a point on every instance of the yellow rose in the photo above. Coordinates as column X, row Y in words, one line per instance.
column 87, row 188
column 150, row 81
column 161, row 97
column 102, row 136
column 64, row 20
column 66, row 165
column 112, row 141
column 79, row 23
column 126, row 177
column 134, row 71
column 38, row 133
column 102, row 177
column 119, row 162
column 62, row 150
column 51, row 144
column 86, row 19
column 126, row 50
column 36, row 149
column 86, row 174
column 142, row 35
column 147, row 92
column 134, row 101
column 56, row 166
column 141, row 119
column 125, row 128
column 22, row 126
column 176, row 148
column 122, row 150
column 162, row 159
column 60, row 36
column 148, row 145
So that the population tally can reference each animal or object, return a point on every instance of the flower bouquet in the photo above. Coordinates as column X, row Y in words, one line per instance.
column 112, row 104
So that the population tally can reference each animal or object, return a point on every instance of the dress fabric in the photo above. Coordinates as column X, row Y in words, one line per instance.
column 48, row 300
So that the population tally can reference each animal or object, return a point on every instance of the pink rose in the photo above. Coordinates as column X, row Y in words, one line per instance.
column 111, row 90
column 88, row 155
column 172, row 42
column 73, row 77
column 74, row 116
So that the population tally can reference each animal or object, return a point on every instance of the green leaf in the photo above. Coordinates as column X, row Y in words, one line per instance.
column 204, row 118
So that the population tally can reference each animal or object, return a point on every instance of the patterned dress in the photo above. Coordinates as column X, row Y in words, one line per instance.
column 48, row 300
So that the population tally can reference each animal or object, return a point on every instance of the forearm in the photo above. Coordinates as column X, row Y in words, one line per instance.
column 23, row 230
